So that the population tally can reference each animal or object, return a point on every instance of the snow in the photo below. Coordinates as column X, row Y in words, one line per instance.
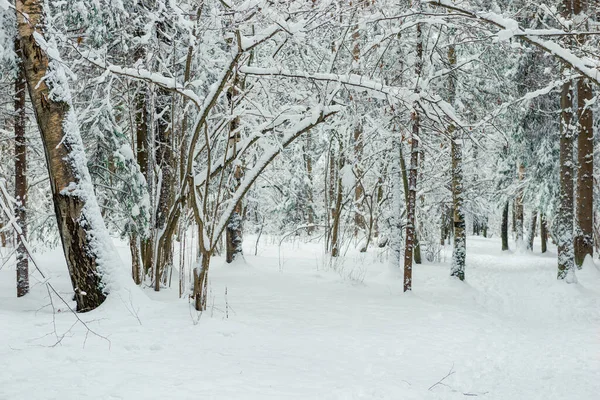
column 306, row 330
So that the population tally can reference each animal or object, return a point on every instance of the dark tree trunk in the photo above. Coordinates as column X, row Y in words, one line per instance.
column 143, row 146
column 411, row 206
column 75, row 228
column 505, row 227
column 519, row 214
column 164, row 161
column 411, row 203
column 584, row 243
column 543, row 232
column 21, row 178
column 337, row 209
column 531, row 232
column 564, row 231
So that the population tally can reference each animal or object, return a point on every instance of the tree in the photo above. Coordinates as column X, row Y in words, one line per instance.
column 21, row 177
column 86, row 244
column 584, row 242
column 459, row 251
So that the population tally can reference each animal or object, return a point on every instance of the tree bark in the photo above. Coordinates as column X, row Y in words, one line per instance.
column 78, row 216
column 543, row 232
column 337, row 210
column 519, row 208
column 505, row 227
column 164, row 161
column 21, row 177
column 143, row 146
column 584, row 243
column 136, row 259
column 564, row 231
column 459, row 251
column 310, row 207
column 233, row 232
column 531, row 232
column 411, row 206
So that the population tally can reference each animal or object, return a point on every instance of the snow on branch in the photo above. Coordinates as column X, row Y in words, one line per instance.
column 509, row 28
column 318, row 116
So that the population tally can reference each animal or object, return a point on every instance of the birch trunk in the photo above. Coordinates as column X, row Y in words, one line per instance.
column 81, row 228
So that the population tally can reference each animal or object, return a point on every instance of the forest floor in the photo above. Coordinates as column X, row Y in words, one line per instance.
column 285, row 325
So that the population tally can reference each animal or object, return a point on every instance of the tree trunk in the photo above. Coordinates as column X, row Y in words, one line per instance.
column 531, row 232
column 564, row 231
column 233, row 231
column 164, row 161
column 82, row 231
column 411, row 206
column 143, row 146
column 505, row 227
column 310, row 208
column 337, row 210
column 201, row 282
column 21, row 178
column 459, row 251
column 584, row 243
column 543, row 232
column 519, row 208
column 136, row 260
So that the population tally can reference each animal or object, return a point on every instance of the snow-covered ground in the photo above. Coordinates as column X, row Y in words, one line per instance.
column 291, row 327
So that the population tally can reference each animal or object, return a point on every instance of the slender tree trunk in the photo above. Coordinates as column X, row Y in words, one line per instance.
column 543, row 232
column 411, row 206
column 359, row 220
column 531, row 232
column 233, row 231
column 21, row 177
column 201, row 282
column 505, row 227
column 136, row 259
column 337, row 210
column 310, row 208
column 443, row 226
column 584, row 243
column 514, row 219
column 459, row 251
column 413, row 174
column 143, row 147
column 519, row 208
column 82, row 231
column 164, row 161
column 564, row 231
column 484, row 227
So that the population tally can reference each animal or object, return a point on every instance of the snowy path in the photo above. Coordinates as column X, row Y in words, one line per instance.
column 511, row 332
